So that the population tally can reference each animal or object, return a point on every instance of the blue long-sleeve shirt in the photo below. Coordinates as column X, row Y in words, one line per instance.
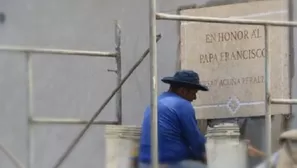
column 179, row 137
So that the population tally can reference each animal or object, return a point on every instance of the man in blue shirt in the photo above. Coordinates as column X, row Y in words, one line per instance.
column 181, row 145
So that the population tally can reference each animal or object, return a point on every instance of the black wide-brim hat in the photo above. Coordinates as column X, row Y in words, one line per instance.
column 186, row 78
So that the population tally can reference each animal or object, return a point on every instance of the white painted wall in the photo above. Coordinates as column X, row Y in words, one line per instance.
column 75, row 87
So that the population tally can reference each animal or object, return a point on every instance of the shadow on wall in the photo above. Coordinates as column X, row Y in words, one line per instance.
column 2, row 18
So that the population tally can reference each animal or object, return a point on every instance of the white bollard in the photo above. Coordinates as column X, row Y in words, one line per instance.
column 121, row 141
column 224, row 148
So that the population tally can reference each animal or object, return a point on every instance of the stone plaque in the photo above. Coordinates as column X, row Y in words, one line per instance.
column 230, row 59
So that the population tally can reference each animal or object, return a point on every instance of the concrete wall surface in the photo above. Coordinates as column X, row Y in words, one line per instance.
column 75, row 87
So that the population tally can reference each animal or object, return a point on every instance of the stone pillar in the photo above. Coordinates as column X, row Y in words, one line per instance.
column 224, row 147
column 121, row 145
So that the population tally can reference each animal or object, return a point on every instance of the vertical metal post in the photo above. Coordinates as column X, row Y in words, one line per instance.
column 291, row 55
column 267, row 98
column 154, row 92
column 29, row 107
column 291, row 42
column 119, row 72
column 293, row 61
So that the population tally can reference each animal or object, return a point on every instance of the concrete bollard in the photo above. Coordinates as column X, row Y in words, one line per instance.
column 121, row 144
column 224, row 147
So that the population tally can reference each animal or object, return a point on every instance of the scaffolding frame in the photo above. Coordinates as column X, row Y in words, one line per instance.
column 30, row 106
column 154, row 16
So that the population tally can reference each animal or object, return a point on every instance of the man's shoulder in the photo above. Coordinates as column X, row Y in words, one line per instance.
column 175, row 103
column 170, row 99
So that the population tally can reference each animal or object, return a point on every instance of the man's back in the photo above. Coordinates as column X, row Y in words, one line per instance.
column 173, row 141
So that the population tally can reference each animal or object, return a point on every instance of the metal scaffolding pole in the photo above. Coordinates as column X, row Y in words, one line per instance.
column 58, row 51
column 30, row 107
column 153, row 83
column 163, row 16
column 118, row 72
column 14, row 160
column 38, row 120
column 283, row 101
column 267, row 97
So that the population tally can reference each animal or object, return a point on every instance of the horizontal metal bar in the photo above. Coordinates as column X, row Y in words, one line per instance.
column 164, row 16
column 283, row 101
column 58, row 51
column 68, row 121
